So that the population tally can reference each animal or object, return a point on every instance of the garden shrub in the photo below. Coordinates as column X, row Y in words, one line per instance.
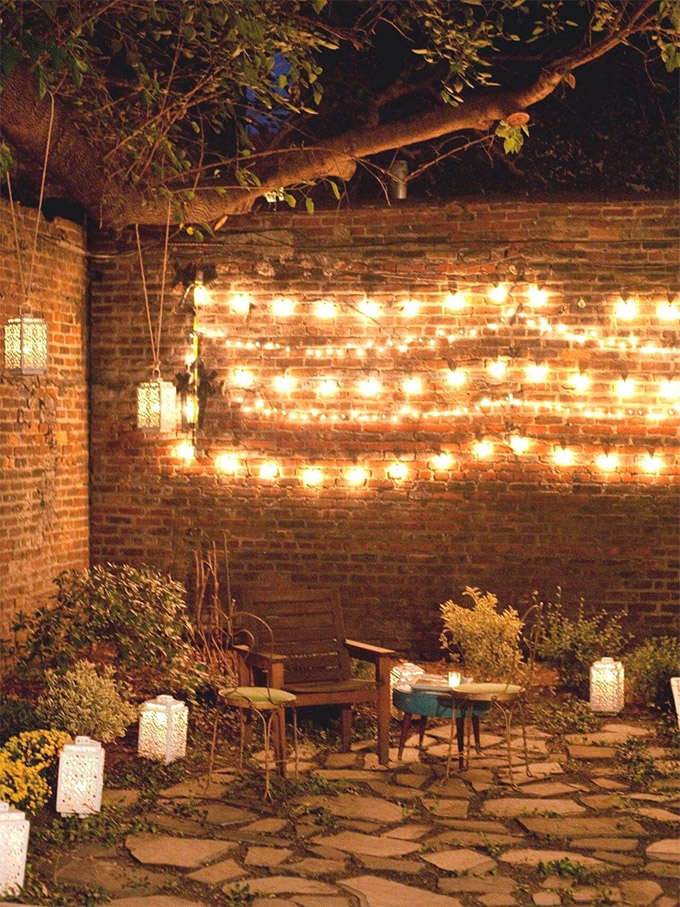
column 487, row 640
column 648, row 671
column 38, row 748
column 567, row 715
column 112, row 614
column 22, row 785
column 572, row 645
column 85, row 701
column 634, row 758
column 16, row 715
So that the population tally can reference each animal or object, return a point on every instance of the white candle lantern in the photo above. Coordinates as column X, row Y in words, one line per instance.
column 405, row 674
column 455, row 679
column 606, row 686
column 157, row 405
column 81, row 777
column 163, row 725
column 26, row 346
column 14, row 827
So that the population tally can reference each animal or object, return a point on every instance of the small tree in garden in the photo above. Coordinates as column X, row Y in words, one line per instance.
column 487, row 640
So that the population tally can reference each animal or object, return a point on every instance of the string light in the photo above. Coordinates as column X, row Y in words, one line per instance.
column 370, row 308
column 607, row 462
column 328, row 387
column 483, row 449
column 625, row 388
column 356, row 475
column 498, row 293
column 269, row 470
column 441, row 461
column 240, row 304
column 227, row 463
column 201, row 293
column 325, row 309
column 519, row 443
column 456, row 302
column 536, row 372
column 313, row 476
column 282, row 307
column 398, row 471
column 370, row 387
column 412, row 385
column 670, row 388
column 536, row 295
column 411, row 307
column 563, row 456
column 185, row 451
column 243, row 378
column 626, row 308
column 651, row 463
column 668, row 311
column 580, row 381
column 284, row 383
column 497, row 368
column 456, row 377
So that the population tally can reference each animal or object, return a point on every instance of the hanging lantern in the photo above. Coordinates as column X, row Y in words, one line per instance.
column 26, row 346
column 156, row 405
column 81, row 777
column 163, row 725
column 606, row 686
column 14, row 827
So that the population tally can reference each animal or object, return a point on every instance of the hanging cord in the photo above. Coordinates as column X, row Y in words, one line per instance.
column 16, row 236
column 155, row 341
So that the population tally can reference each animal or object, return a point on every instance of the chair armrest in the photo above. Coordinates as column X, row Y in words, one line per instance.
column 366, row 652
column 261, row 660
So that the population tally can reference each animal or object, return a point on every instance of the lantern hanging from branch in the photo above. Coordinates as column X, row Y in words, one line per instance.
column 163, row 723
column 26, row 346
column 156, row 405
column 81, row 777
column 606, row 686
column 14, row 828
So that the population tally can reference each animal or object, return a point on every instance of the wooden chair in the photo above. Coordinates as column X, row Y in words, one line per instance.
column 313, row 657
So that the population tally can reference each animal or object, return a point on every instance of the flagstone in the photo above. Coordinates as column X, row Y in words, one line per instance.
column 591, row 752
column 450, row 787
column 640, row 891
column 546, row 899
column 269, row 826
column 408, row 779
column 341, row 760
column 156, row 900
column 345, row 774
column 485, row 825
column 668, row 850
column 630, row 730
column 549, row 788
column 119, row 797
column 585, row 895
column 461, row 861
column 657, row 814
column 315, row 866
column 474, row 838
column 532, row 857
column 217, row 873
column 620, row 859
column 477, row 884
column 164, row 850
column 351, row 806
column 574, row 827
column 606, row 843
column 602, row 801
column 587, row 739
column 105, row 874
column 356, row 843
column 511, row 807
column 408, row 832
column 387, row 864
column 650, row 798
column 497, row 900
column 266, row 856
column 313, row 900
column 197, row 789
column 361, row 825
column 275, row 885
column 377, row 892
column 447, row 809
column 179, row 825
column 223, row 814
column 395, row 791
column 667, row 870
column 608, row 783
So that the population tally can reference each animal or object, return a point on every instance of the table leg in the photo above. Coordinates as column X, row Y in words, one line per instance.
column 460, row 733
column 475, row 731
column 422, row 725
column 405, row 728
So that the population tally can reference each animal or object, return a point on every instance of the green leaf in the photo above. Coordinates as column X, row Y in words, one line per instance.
column 309, row 205
column 289, row 199
column 189, row 32
column 336, row 191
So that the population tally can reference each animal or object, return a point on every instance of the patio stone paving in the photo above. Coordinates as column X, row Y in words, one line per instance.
column 403, row 837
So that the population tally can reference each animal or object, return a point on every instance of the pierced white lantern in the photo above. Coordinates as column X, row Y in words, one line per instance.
column 606, row 686
column 156, row 405
column 405, row 674
column 14, row 828
column 163, row 723
column 81, row 777
column 26, row 346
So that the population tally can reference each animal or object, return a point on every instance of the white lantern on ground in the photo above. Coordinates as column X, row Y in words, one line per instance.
column 26, row 346
column 14, row 827
column 606, row 686
column 156, row 405
column 81, row 777
column 163, row 723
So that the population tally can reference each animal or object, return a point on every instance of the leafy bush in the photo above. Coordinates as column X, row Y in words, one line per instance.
column 39, row 748
column 648, row 671
column 572, row 645
column 487, row 641
column 112, row 614
column 633, row 756
column 567, row 715
column 16, row 715
column 83, row 701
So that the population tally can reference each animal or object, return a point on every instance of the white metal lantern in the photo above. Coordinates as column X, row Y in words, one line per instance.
column 606, row 686
column 26, row 346
column 156, row 405
column 14, row 827
column 405, row 674
column 163, row 725
column 81, row 777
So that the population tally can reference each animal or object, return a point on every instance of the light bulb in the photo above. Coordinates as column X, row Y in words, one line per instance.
column 282, row 306
column 456, row 301
column 519, row 444
column 441, row 461
column 325, row 309
column 201, row 293
column 668, row 311
column 243, row 378
column 651, row 463
column 328, row 387
column 190, row 410
column 498, row 293
column 563, row 456
column 483, row 449
column 607, row 461
column 284, row 383
column 227, row 463
column 626, row 309
column 412, row 385
column 240, row 304
column 536, row 372
column 312, row 476
column 625, row 388
column 410, row 307
column 580, row 381
column 397, row 471
column 536, row 296
column 356, row 475
column 670, row 388
column 497, row 368
column 370, row 387
column 370, row 308
column 269, row 470
column 456, row 377
column 185, row 451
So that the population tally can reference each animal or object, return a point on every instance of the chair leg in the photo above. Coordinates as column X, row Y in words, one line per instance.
column 405, row 728
column 384, row 718
column 346, row 726
column 279, row 735
column 475, row 731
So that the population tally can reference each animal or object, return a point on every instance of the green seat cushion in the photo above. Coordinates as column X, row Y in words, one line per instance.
column 260, row 694
column 488, row 689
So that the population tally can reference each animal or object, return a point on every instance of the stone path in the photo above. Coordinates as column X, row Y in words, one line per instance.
column 571, row 832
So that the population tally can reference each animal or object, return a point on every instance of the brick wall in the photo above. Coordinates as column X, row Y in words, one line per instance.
column 44, row 519
column 498, row 517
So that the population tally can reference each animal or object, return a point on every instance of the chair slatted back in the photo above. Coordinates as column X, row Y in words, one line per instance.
column 308, row 628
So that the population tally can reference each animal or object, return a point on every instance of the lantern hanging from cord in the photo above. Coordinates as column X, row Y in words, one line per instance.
column 163, row 725
column 26, row 345
column 606, row 686
column 14, row 828
column 81, row 777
